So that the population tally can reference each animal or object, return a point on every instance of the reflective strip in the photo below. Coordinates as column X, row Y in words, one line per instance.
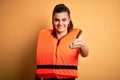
column 56, row 67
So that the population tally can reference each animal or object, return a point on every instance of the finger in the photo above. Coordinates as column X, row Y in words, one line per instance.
column 74, row 46
column 77, row 43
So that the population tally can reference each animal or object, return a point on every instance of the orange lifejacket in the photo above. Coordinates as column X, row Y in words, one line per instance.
column 54, row 58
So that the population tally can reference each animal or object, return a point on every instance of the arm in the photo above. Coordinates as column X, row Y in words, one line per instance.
column 83, row 48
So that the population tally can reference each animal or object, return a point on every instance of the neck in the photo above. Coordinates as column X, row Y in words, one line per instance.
column 60, row 35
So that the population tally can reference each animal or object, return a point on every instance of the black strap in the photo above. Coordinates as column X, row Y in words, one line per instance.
column 79, row 33
column 56, row 67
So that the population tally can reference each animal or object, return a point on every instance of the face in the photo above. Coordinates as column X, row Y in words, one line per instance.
column 61, row 21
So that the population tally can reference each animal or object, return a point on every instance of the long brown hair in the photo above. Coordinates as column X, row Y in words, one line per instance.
column 58, row 9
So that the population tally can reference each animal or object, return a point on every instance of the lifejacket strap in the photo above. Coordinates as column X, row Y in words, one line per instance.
column 56, row 67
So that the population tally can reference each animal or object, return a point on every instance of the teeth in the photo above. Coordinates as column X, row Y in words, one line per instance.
column 60, row 27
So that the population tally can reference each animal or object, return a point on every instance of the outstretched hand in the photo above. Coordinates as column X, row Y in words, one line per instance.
column 80, row 44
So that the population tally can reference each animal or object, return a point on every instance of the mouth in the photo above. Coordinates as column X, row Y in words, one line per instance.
column 60, row 27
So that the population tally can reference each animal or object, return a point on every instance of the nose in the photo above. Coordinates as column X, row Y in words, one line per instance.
column 60, row 22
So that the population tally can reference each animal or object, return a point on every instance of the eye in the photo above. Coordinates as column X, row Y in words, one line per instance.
column 56, row 19
column 64, row 19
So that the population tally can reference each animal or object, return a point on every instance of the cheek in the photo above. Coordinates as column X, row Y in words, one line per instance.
column 55, row 24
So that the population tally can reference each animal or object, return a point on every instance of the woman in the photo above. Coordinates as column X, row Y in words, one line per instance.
column 58, row 49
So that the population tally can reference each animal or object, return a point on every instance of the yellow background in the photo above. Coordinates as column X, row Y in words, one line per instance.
column 21, row 20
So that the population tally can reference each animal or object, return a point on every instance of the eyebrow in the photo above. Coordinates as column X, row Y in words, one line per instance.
column 58, row 19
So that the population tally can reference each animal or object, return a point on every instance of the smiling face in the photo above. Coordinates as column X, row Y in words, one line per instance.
column 60, row 22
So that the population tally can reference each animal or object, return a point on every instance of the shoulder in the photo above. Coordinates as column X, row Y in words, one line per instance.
column 76, row 30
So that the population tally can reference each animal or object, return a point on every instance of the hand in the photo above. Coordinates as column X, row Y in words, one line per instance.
column 78, row 43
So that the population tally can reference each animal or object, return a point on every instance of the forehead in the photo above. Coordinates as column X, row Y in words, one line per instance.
column 61, row 15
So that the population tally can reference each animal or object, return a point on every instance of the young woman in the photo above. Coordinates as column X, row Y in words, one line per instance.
column 58, row 49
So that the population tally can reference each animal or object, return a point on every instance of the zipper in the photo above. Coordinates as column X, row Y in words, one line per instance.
column 58, row 42
column 56, row 55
